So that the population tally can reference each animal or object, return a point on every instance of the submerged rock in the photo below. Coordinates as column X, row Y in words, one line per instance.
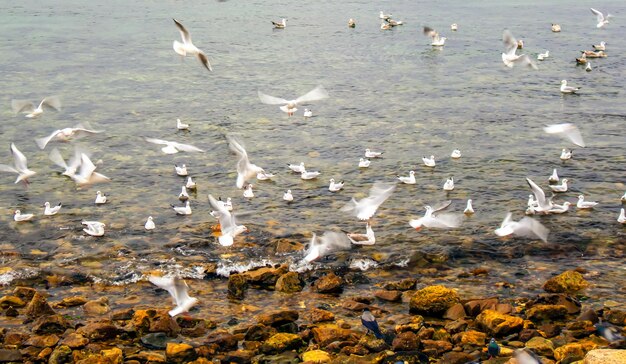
column 277, row 317
column 402, row 285
column 546, row 312
column 329, row 283
column 237, row 285
column 289, row 282
column 38, row 306
column 433, row 300
column 97, row 307
column 325, row 334
column 497, row 323
column 11, row 301
column 567, row 282
column 281, row 342
column 144, row 321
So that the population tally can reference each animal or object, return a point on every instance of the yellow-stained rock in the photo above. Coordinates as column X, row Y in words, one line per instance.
column 569, row 353
column 541, row 346
column 566, row 282
column 11, row 301
column 281, row 342
column 113, row 356
column 327, row 333
column 474, row 338
column 433, row 300
column 180, row 353
column 497, row 323
column 316, row 356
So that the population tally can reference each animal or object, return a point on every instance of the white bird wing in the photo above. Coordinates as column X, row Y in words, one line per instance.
column 166, row 283
column 56, row 158
column 186, row 147
column 157, row 141
column 318, row 93
column 567, row 131
column 245, row 169
column 333, row 241
column 227, row 220
column 443, row 221
column 271, row 100
column 42, row 142
column 52, row 101
column 86, row 168
column 507, row 219
column 20, row 159
column 22, row 105
column 531, row 228
column 510, row 43
column 442, row 206
column 598, row 14
column 184, row 34
column 525, row 60
column 540, row 196
column 366, row 207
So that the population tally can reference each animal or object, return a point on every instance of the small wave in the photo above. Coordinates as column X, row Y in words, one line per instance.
column 224, row 269
column 363, row 264
column 10, row 276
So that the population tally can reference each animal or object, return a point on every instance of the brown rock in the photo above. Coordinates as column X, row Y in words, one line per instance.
column 325, row 334
column 456, row 326
column 147, row 357
column 373, row 344
column 435, row 347
column 71, row 302
column 52, row 324
column 329, row 283
column 405, row 341
column 541, row 346
column 453, row 357
column 180, row 353
column 474, row 307
column 498, row 324
column 97, row 307
column 237, row 356
column 589, row 315
column 11, row 301
column 42, row 341
column 433, row 300
column 10, row 355
column 391, row 296
column 281, row 342
column 259, row 332
column 123, row 314
column 237, row 285
column 616, row 317
column 289, row 282
column 546, row 312
column 549, row 330
column 285, row 246
column 316, row 357
column 224, row 340
column 277, row 317
column 403, row 285
column 61, row 355
column 318, row 315
column 571, row 304
column 112, row 356
column 455, row 312
column 154, row 321
column 527, row 334
column 25, row 293
column 567, row 282
column 38, row 306
column 74, row 340
column 44, row 354
column 605, row 356
column 580, row 329
column 471, row 338
column 264, row 277
column 351, row 305
column 104, row 330
column 14, row 338
column 569, row 353
column 415, row 324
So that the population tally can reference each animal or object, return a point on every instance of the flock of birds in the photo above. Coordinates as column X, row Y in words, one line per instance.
column 82, row 171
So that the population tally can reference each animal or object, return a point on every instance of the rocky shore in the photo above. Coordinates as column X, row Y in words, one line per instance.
column 420, row 323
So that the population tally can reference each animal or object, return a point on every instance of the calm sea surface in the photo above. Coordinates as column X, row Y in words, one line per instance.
column 113, row 66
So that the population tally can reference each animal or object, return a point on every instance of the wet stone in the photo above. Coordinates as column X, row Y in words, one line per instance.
column 25, row 293
column 11, row 301
column 224, row 340
column 97, row 307
column 435, row 347
column 155, row 340
column 42, row 341
column 52, row 324
column 352, row 305
column 405, row 341
column 316, row 315
column 15, row 338
column 71, row 302
column 433, row 300
column 259, row 332
column 237, row 285
column 74, row 340
column 60, row 355
column 329, row 283
column 281, row 342
column 546, row 312
column 498, row 324
column 567, row 282
column 11, row 312
column 402, row 285
column 154, row 321
column 475, row 307
column 589, row 315
column 391, row 296
column 277, row 317
column 455, row 312
column 316, row 356
column 264, row 277
column 123, row 314
column 38, row 306
column 286, row 246
column 180, row 353
column 325, row 334
column 289, row 282
column 10, row 355
column 99, row 331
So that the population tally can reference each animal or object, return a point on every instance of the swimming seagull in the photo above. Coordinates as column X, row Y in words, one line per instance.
column 526, row 227
column 363, row 239
column 298, row 168
column 179, row 290
column 365, row 208
column 449, row 184
column 556, row 28
column 369, row 321
column 228, row 225
column 588, row 67
column 27, row 106
column 542, row 56
column 184, row 210
column 600, row 47
column 385, row 26
column 468, row 209
column 566, row 154
column 602, row 20
column 191, row 185
column 247, row 192
column 306, row 175
column 173, row 147
column 100, row 198
column 19, row 216
column 20, row 166
column 429, row 162
column 72, row 164
column 384, row 16
column 290, row 106
column 186, row 48
column 264, row 176
column 328, row 243
column 351, row 23
column 554, row 178
column 281, row 24
column 181, row 170
column 181, row 126
column 307, row 113
column 543, row 204
column 568, row 89
column 560, row 209
column 394, row 23
column 245, row 169
column 94, row 228
column 335, row 186
column 364, row 163
column 410, row 180
column 585, row 205
column 560, row 188
column 622, row 217
column 456, row 154
column 49, row 211
column 65, row 135
column 86, row 174
column 183, row 195
column 566, row 131
column 454, row 27
column 510, row 47
column 437, row 40
column 149, row 224
column 287, row 196
column 441, row 221
column 372, row 154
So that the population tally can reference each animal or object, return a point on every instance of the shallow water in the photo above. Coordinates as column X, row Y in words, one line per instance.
column 113, row 67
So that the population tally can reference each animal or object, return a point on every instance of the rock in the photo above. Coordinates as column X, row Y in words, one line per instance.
column 569, row 353
column 25, row 293
column 455, row 312
column 38, row 306
column 155, row 340
column 264, row 277
column 179, row 353
column 549, row 330
column 97, row 307
column 373, row 344
column 277, row 317
column 413, row 357
column 145, row 321
column 403, row 285
column 616, row 317
column 415, row 324
column 52, row 324
column 60, row 355
column 285, row 246
column 316, row 356
column 453, row 357
column 433, row 300
column 42, row 341
column 435, row 347
column 546, row 312
column 11, row 312
column 259, row 332
column 527, row 334
column 471, row 338
column 113, row 356
column 74, row 340
column 14, row 338
column 44, row 354
column 498, row 324
column 589, row 315
column 391, row 296
column 11, row 301
column 573, row 305
column 104, row 330
column 237, row 285
column 580, row 329
column 567, row 282
column 405, row 341
column 224, row 340
column 605, row 356
column 237, row 356
column 289, row 282
column 541, row 346
column 281, row 342
column 71, row 302
column 123, row 314
column 151, row 357
column 329, row 283
column 475, row 307
column 10, row 355
column 325, row 334
column 352, row 305
column 318, row 315
column 456, row 326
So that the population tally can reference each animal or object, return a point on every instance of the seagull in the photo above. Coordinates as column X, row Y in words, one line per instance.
column 556, row 28
column 181, row 171
column 100, row 198
column 410, row 180
column 307, row 113
column 28, row 107
column 393, row 23
column 543, row 204
column 364, row 163
column 73, row 163
column 456, row 154
column 532, row 203
column 287, row 196
column 623, row 198
column 449, row 184
column 542, row 56
column 588, row 67
column 329, row 242
column 568, row 89
column 566, row 154
column 245, row 169
column 385, row 26
column 94, row 228
column 526, row 356
column 65, row 135
column 369, row 321
column 592, row 54
column 600, row 47
column 493, row 348
column 372, row 154
column 247, row 192
column 468, row 209
column 183, row 196
column 437, row 41
column 290, row 106
column 526, row 227
column 384, row 16
column 509, row 57
column 454, row 27
column 86, row 174
column 190, row 185
column 554, row 178
column 585, row 205
column 178, row 289
column 173, row 147
column 566, row 131
column 441, row 221
column 351, row 23
column 298, row 168
column 187, row 48
column 280, row 25
column 363, row 239
column 49, row 211
column 560, row 188
column 19, row 217
column 602, row 20
column 560, row 209
column 264, row 176
column 429, row 162
column 181, row 126
column 228, row 224
column 149, row 224
column 309, row 175
column 365, row 208
column 185, row 210
column 582, row 59
column 228, row 204
column 335, row 186
column 20, row 166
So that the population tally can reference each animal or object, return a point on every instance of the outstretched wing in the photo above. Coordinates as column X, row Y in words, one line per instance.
column 52, row 101
column 22, row 105
column 183, row 32
column 271, row 100
column 318, row 93
column 599, row 15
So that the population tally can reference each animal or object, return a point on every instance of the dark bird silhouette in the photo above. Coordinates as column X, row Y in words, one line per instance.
column 493, row 348
column 369, row 321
